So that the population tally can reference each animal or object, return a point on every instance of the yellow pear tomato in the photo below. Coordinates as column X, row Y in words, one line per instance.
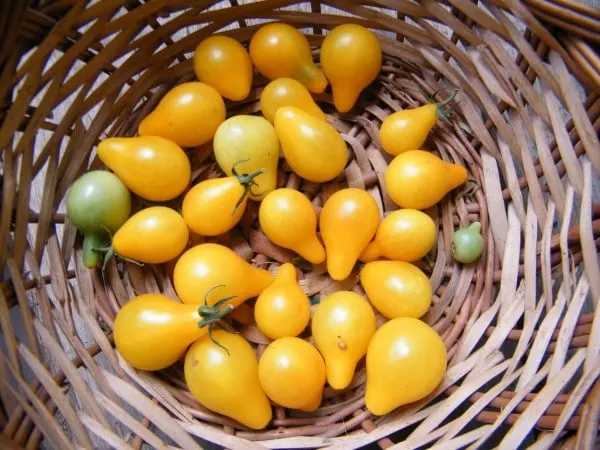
column 224, row 63
column 223, row 377
column 292, row 373
column 278, row 50
column 406, row 361
column 342, row 326
column 403, row 235
column 418, row 179
column 189, row 115
column 349, row 220
column 205, row 266
column 153, row 235
column 216, row 205
column 396, row 288
column 313, row 148
column 154, row 168
column 408, row 129
column 153, row 331
column 289, row 220
column 351, row 60
column 283, row 309
column 287, row 92
column 250, row 144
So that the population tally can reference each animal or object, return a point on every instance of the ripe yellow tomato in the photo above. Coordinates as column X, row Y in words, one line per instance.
column 154, row 235
column 342, row 327
column 292, row 373
column 287, row 92
column 283, row 309
column 408, row 129
column 189, row 115
column 351, row 60
column 152, row 331
column 224, row 63
column 349, row 220
column 250, row 144
column 289, row 220
column 215, row 206
column 205, row 266
column 404, row 235
column 154, row 168
column 418, row 179
column 278, row 50
column 396, row 288
column 406, row 361
column 313, row 148
column 225, row 380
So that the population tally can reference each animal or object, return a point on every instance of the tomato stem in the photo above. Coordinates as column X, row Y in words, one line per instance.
column 443, row 109
column 213, row 315
column 246, row 180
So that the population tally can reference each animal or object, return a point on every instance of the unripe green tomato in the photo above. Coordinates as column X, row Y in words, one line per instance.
column 467, row 243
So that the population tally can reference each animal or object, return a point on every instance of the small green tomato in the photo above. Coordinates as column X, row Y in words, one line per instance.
column 467, row 243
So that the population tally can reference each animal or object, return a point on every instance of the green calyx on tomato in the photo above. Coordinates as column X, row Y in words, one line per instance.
column 467, row 243
column 443, row 109
column 213, row 315
column 246, row 180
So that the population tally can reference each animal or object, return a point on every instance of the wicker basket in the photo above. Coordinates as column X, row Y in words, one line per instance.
column 521, row 327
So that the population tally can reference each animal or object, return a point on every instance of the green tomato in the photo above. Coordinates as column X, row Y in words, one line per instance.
column 467, row 243
column 98, row 203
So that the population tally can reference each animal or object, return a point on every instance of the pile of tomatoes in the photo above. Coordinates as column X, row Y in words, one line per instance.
column 405, row 358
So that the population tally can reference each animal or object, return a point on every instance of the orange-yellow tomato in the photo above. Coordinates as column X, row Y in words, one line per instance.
column 289, row 220
column 205, row 266
column 351, row 60
column 224, row 63
column 283, row 309
column 225, row 379
column 404, row 235
column 292, row 373
column 349, row 220
column 313, row 148
column 189, row 115
column 396, row 288
column 418, row 179
column 287, row 92
column 278, row 50
column 154, row 168
column 152, row 331
column 406, row 361
column 342, row 326
column 154, row 235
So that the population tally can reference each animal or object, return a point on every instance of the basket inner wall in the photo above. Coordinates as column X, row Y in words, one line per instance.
column 519, row 325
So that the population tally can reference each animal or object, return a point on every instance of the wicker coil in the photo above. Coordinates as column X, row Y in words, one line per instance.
column 521, row 327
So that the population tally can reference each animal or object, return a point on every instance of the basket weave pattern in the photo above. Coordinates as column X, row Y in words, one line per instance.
column 521, row 326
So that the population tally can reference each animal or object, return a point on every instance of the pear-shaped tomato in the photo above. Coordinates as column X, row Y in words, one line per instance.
column 154, row 235
column 404, row 235
column 224, row 63
column 153, row 167
column 289, row 220
column 223, row 377
column 349, row 220
column 152, row 331
column 287, row 92
column 467, row 243
column 278, row 50
column 418, row 179
column 292, row 373
column 406, row 361
column 208, row 265
column 351, row 59
column 396, row 288
column 313, row 148
column 189, row 115
column 283, row 309
column 215, row 206
column 407, row 129
column 98, row 203
column 250, row 144
column 342, row 326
